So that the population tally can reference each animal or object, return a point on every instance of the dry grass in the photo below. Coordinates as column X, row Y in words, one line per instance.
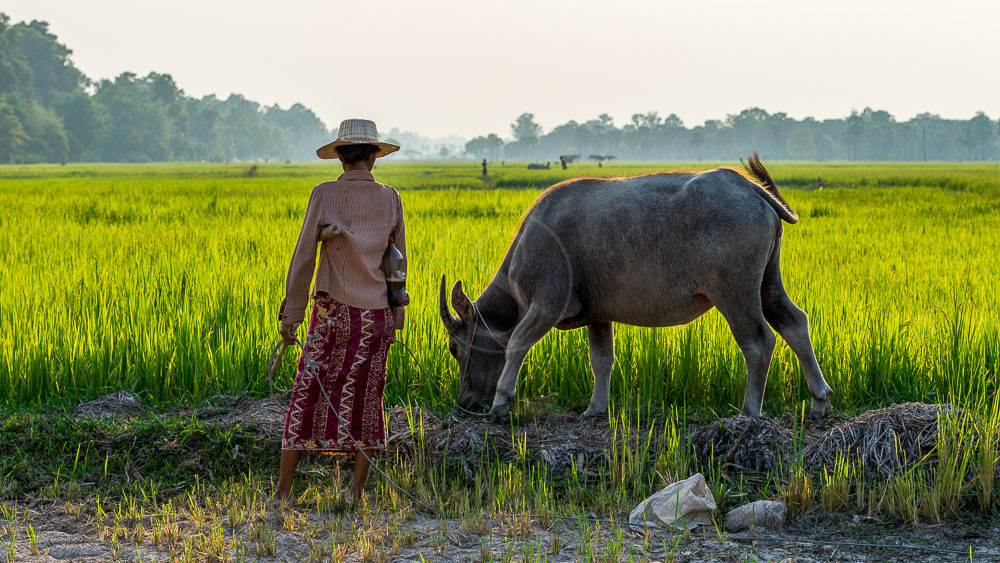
column 889, row 440
column 743, row 444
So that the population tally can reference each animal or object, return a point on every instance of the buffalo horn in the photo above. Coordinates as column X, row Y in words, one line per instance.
column 449, row 321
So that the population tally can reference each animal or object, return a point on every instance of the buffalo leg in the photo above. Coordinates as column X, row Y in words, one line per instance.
column 526, row 334
column 601, row 343
column 755, row 340
column 792, row 324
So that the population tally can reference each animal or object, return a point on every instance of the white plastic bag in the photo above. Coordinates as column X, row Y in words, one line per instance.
column 683, row 505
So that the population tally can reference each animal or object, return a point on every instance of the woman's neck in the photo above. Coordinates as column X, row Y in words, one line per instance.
column 362, row 166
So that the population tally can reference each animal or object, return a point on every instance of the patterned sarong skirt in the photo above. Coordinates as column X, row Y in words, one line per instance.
column 345, row 352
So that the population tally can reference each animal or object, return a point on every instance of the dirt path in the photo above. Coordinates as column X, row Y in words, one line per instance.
column 59, row 537
column 37, row 527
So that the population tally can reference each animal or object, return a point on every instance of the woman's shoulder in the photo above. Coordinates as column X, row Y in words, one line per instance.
column 389, row 190
column 324, row 186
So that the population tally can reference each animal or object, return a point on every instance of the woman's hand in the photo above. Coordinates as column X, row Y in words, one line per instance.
column 288, row 334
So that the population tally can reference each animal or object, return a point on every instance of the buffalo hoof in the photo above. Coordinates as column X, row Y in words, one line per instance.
column 822, row 408
column 498, row 412
column 595, row 413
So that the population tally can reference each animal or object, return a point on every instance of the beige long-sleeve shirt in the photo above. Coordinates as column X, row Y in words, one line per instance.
column 350, row 263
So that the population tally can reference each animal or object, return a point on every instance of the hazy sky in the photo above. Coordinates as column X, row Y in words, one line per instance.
column 470, row 67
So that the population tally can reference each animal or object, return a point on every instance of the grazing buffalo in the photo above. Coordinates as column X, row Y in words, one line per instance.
column 655, row 250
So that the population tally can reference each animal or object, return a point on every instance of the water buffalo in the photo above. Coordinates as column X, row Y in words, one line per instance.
column 655, row 250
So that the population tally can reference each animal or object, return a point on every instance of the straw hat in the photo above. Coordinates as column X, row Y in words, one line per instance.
column 356, row 132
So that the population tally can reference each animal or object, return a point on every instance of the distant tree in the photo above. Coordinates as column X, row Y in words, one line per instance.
column 15, row 73
column 697, row 141
column 52, row 72
column 12, row 134
column 648, row 120
column 478, row 147
column 297, row 131
column 138, row 127
column 583, row 138
column 162, row 88
column 746, row 126
column 967, row 143
column 825, row 146
column 85, row 122
column 852, row 134
column 776, row 124
column 526, row 131
column 495, row 143
column 46, row 138
column 603, row 137
column 248, row 136
column 925, row 121
column 801, row 143
column 982, row 129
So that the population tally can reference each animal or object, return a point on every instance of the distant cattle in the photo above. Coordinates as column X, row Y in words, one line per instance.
column 535, row 166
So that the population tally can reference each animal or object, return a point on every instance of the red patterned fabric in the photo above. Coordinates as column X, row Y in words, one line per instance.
column 346, row 352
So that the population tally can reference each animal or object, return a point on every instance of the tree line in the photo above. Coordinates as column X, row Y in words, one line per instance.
column 51, row 112
column 865, row 135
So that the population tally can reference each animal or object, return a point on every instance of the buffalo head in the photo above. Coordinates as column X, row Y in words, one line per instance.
column 479, row 354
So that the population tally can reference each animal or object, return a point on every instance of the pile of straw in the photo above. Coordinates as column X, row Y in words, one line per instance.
column 889, row 440
column 742, row 444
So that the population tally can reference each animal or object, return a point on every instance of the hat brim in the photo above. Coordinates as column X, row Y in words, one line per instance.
column 330, row 150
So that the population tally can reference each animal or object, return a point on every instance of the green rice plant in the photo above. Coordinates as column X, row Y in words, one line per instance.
column 165, row 279
column 987, row 454
column 674, row 460
column 902, row 495
column 835, row 495
column 10, row 545
column 716, row 481
column 799, row 493
column 946, row 486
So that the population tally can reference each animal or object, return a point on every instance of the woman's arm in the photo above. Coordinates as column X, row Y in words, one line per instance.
column 399, row 237
column 400, row 229
column 303, row 264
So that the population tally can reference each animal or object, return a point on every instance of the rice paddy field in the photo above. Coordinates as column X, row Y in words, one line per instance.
column 164, row 280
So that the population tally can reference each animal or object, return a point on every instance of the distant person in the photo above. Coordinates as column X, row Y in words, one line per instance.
column 484, row 167
column 351, row 326
column 598, row 163
column 562, row 160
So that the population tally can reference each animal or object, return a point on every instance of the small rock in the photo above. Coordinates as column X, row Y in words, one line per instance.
column 683, row 505
column 760, row 514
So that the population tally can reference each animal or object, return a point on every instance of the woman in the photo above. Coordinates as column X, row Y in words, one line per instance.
column 351, row 326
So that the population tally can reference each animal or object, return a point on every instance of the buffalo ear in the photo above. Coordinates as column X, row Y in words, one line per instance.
column 461, row 303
